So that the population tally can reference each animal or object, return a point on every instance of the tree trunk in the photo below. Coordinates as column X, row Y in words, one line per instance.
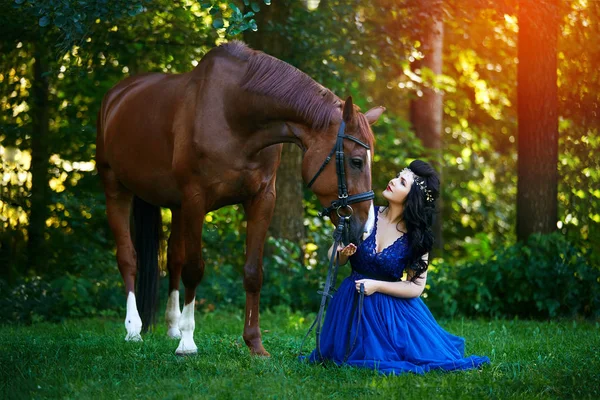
column 426, row 111
column 537, row 167
column 288, row 218
column 38, row 211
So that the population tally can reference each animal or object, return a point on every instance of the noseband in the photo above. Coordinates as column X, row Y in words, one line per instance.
column 341, row 234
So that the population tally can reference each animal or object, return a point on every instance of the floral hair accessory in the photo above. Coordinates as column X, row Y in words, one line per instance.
column 421, row 183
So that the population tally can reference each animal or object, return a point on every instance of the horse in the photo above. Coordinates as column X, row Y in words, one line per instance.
column 211, row 137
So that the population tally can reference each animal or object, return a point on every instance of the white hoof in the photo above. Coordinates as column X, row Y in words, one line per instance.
column 184, row 353
column 174, row 333
column 186, row 347
column 133, row 322
column 133, row 337
column 186, row 325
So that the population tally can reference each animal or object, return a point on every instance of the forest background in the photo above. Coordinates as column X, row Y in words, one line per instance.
column 503, row 96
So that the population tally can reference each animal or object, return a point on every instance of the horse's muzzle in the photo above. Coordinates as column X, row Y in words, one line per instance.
column 356, row 232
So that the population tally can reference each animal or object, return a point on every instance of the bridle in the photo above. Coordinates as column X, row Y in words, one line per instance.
column 344, row 200
column 341, row 233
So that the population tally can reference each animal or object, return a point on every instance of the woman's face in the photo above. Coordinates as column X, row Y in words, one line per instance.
column 398, row 188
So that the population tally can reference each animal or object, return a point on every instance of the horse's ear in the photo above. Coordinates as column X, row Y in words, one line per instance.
column 373, row 114
column 348, row 113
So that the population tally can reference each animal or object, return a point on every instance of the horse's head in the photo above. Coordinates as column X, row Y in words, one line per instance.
column 358, row 156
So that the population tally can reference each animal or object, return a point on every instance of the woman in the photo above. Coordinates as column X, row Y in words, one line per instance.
column 393, row 331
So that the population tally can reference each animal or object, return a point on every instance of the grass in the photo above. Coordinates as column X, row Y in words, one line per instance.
column 88, row 359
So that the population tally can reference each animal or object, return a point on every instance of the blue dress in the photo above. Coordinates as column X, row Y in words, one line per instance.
column 395, row 335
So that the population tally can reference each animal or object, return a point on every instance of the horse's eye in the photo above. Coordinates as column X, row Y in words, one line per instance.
column 357, row 163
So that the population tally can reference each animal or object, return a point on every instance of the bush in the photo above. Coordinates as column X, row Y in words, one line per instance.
column 545, row 277
column 292, row 274
column 34, row 299
column 286, row 280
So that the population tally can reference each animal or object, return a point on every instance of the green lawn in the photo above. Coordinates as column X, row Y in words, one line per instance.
column 89, row 360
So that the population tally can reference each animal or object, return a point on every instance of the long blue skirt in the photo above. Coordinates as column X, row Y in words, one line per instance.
column 394, row 336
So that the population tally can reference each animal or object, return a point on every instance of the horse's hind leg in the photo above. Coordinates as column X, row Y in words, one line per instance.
column 118, row 210
column 175, row 259
column 259, row 212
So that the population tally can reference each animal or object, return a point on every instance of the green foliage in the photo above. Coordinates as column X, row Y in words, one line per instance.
column 71, row 296
column 546, row 277
column 237, row 20
column 288, row 282
column 74, row 20
column 292, row 275
column 356, row 47
column 26, row 301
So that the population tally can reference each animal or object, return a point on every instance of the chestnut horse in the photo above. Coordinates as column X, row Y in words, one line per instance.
column 198, row 141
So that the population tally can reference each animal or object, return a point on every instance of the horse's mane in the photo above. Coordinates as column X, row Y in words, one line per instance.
column 269, row 76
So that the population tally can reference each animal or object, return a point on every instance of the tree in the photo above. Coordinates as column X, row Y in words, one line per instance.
column 43, row 75
column 38, row 209
column 36, row 42
column 426, row 109
column 288, row 216
column 537, row 167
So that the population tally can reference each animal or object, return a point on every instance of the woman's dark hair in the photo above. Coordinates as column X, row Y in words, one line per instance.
column 419, row 213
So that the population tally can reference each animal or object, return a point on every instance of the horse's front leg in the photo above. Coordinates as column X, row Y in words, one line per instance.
column 118, row 211
column 175, row 260
column 259, row 211
column 192, row 213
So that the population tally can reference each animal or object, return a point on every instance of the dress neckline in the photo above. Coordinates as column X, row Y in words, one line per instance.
column 375, row 236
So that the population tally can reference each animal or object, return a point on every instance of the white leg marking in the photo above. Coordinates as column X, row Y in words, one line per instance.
column 370, row 222
column 172, row 315
column 187, row 325
column 133, row 322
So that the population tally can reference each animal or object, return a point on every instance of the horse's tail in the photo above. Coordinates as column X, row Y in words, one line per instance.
column 147, row 232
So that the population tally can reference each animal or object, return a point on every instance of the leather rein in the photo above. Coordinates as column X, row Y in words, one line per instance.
column 341, row 233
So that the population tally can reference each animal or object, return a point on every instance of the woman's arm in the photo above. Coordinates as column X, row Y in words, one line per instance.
column 404, row 289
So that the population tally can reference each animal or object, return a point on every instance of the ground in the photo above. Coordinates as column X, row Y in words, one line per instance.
column 89, row 359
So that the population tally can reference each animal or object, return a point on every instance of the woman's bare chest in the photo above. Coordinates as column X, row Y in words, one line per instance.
column 386, row 234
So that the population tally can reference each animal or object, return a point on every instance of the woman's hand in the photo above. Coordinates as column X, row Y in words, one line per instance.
column 342, row 252
column 371, row 286
column 348, row 250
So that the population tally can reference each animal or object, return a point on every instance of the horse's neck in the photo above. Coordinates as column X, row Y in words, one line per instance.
column 259, row 119
column 271, row 123
column 270, row 134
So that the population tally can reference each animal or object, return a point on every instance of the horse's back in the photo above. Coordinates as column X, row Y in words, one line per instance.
column 128, row 85
column 135, row 134
column 158, row 131
column 154, row 100
column 140, row 94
